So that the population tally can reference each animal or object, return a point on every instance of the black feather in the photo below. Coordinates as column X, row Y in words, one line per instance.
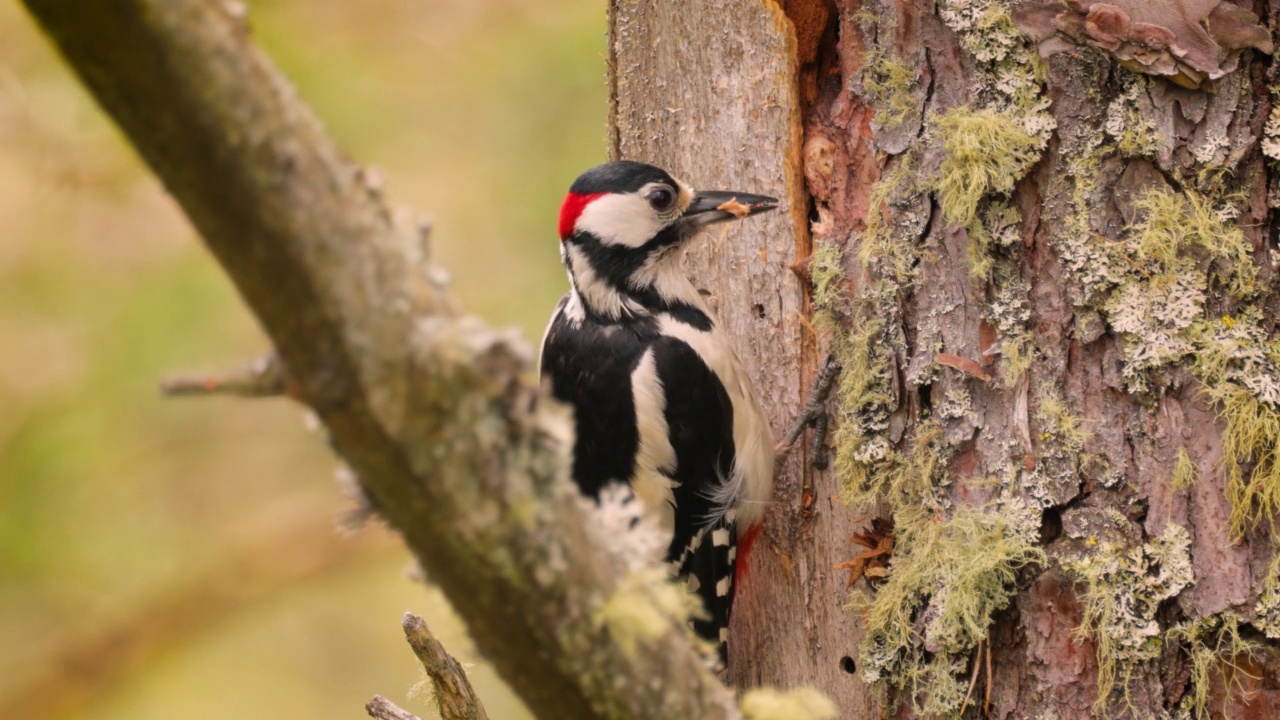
column 589, row 365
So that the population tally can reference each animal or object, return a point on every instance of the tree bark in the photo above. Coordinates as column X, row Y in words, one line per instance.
column 427, row 405
column 1049, row 268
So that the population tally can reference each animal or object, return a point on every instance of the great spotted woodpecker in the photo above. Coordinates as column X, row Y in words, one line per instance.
column 660, row 399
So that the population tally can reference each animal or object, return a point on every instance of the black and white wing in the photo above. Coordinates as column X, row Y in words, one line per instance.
column 699, row 418
column 589, row 366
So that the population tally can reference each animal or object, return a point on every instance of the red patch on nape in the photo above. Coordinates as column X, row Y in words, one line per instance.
column 745, row 541
column 573, row 206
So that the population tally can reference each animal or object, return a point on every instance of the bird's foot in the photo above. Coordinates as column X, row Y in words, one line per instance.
column 814, row 415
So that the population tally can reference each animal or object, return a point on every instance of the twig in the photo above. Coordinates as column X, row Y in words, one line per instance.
column 263, row 377
column 986, row 700
column 973, row 677
column 383, row 709
column 812, row 410
column 454, row 696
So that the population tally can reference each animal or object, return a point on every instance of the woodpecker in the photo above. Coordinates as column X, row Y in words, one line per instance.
column 661, row 401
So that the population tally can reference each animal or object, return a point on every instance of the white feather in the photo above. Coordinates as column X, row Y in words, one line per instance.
column 621, row 219
column 598, row 294
column 750, row 483
column 656, row 457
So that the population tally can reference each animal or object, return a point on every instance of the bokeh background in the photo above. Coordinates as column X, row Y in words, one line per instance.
column 178, row 558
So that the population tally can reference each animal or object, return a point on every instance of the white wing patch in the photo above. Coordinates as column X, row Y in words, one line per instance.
column 656, row 457
column 750, row 484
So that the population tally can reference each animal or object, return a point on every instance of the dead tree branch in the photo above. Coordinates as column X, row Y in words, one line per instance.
column 263, row 377
column 383, row 709
column 453, row 693
column 427, row 405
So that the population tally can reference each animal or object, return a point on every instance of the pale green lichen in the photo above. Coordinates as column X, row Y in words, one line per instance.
column 1236, row 349
column 1252, row 435
column 1088, row 260
column 1184, row 471
column 802, row 703
column 862, row 390
column 1173, row 225
column 1154, row 318
column 1010, row 74
column 907, row 482
column 1010, row 314
column 998, row 225
column 1239, row 366
column 1060, row 460
column 956, row 404
column 647, row 604
column 1123, row 588
column 1271, row 134
column 862, row 399
column 1058, row 425
column 984, row 151
column 989, row 145
column 1016, row 355
column 826, row 273
column 1267, row 609
column 1159, row 307
column 1212, row 643
column 1132, row 131
column 888, row 82
column 1163, row 295
column 945, row 584
column 893, row 222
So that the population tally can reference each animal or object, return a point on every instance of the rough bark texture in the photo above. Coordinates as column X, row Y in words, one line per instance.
column 1048, row 272
column 426, row 405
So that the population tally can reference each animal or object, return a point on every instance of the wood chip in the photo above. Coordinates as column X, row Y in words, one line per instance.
column 963, row 364
column 738, row 209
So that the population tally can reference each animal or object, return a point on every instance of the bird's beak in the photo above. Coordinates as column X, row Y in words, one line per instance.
column 713, row 206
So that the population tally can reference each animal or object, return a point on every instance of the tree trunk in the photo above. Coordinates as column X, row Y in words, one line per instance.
column 1042, row 245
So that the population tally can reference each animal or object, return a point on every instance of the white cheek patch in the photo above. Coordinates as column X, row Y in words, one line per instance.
column 619, row 219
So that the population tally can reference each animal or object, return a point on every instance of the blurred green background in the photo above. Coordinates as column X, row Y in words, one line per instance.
column 170, row 558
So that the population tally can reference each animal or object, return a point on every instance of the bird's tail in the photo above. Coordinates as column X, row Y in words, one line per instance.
column 709, row 570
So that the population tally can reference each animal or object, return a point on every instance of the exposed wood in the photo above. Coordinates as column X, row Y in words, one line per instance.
column 453, row 694
column 381, row 708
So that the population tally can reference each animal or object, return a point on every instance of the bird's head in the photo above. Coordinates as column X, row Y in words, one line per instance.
column 622, row 226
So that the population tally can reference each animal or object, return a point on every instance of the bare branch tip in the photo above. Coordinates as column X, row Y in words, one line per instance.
column 383, row 709
column 263, row 377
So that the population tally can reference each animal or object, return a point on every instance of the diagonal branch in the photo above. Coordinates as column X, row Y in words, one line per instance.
column 428, row 406
column 381, row 708
column 453, row 693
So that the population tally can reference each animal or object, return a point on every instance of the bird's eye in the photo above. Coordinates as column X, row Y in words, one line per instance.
column 660, row 199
